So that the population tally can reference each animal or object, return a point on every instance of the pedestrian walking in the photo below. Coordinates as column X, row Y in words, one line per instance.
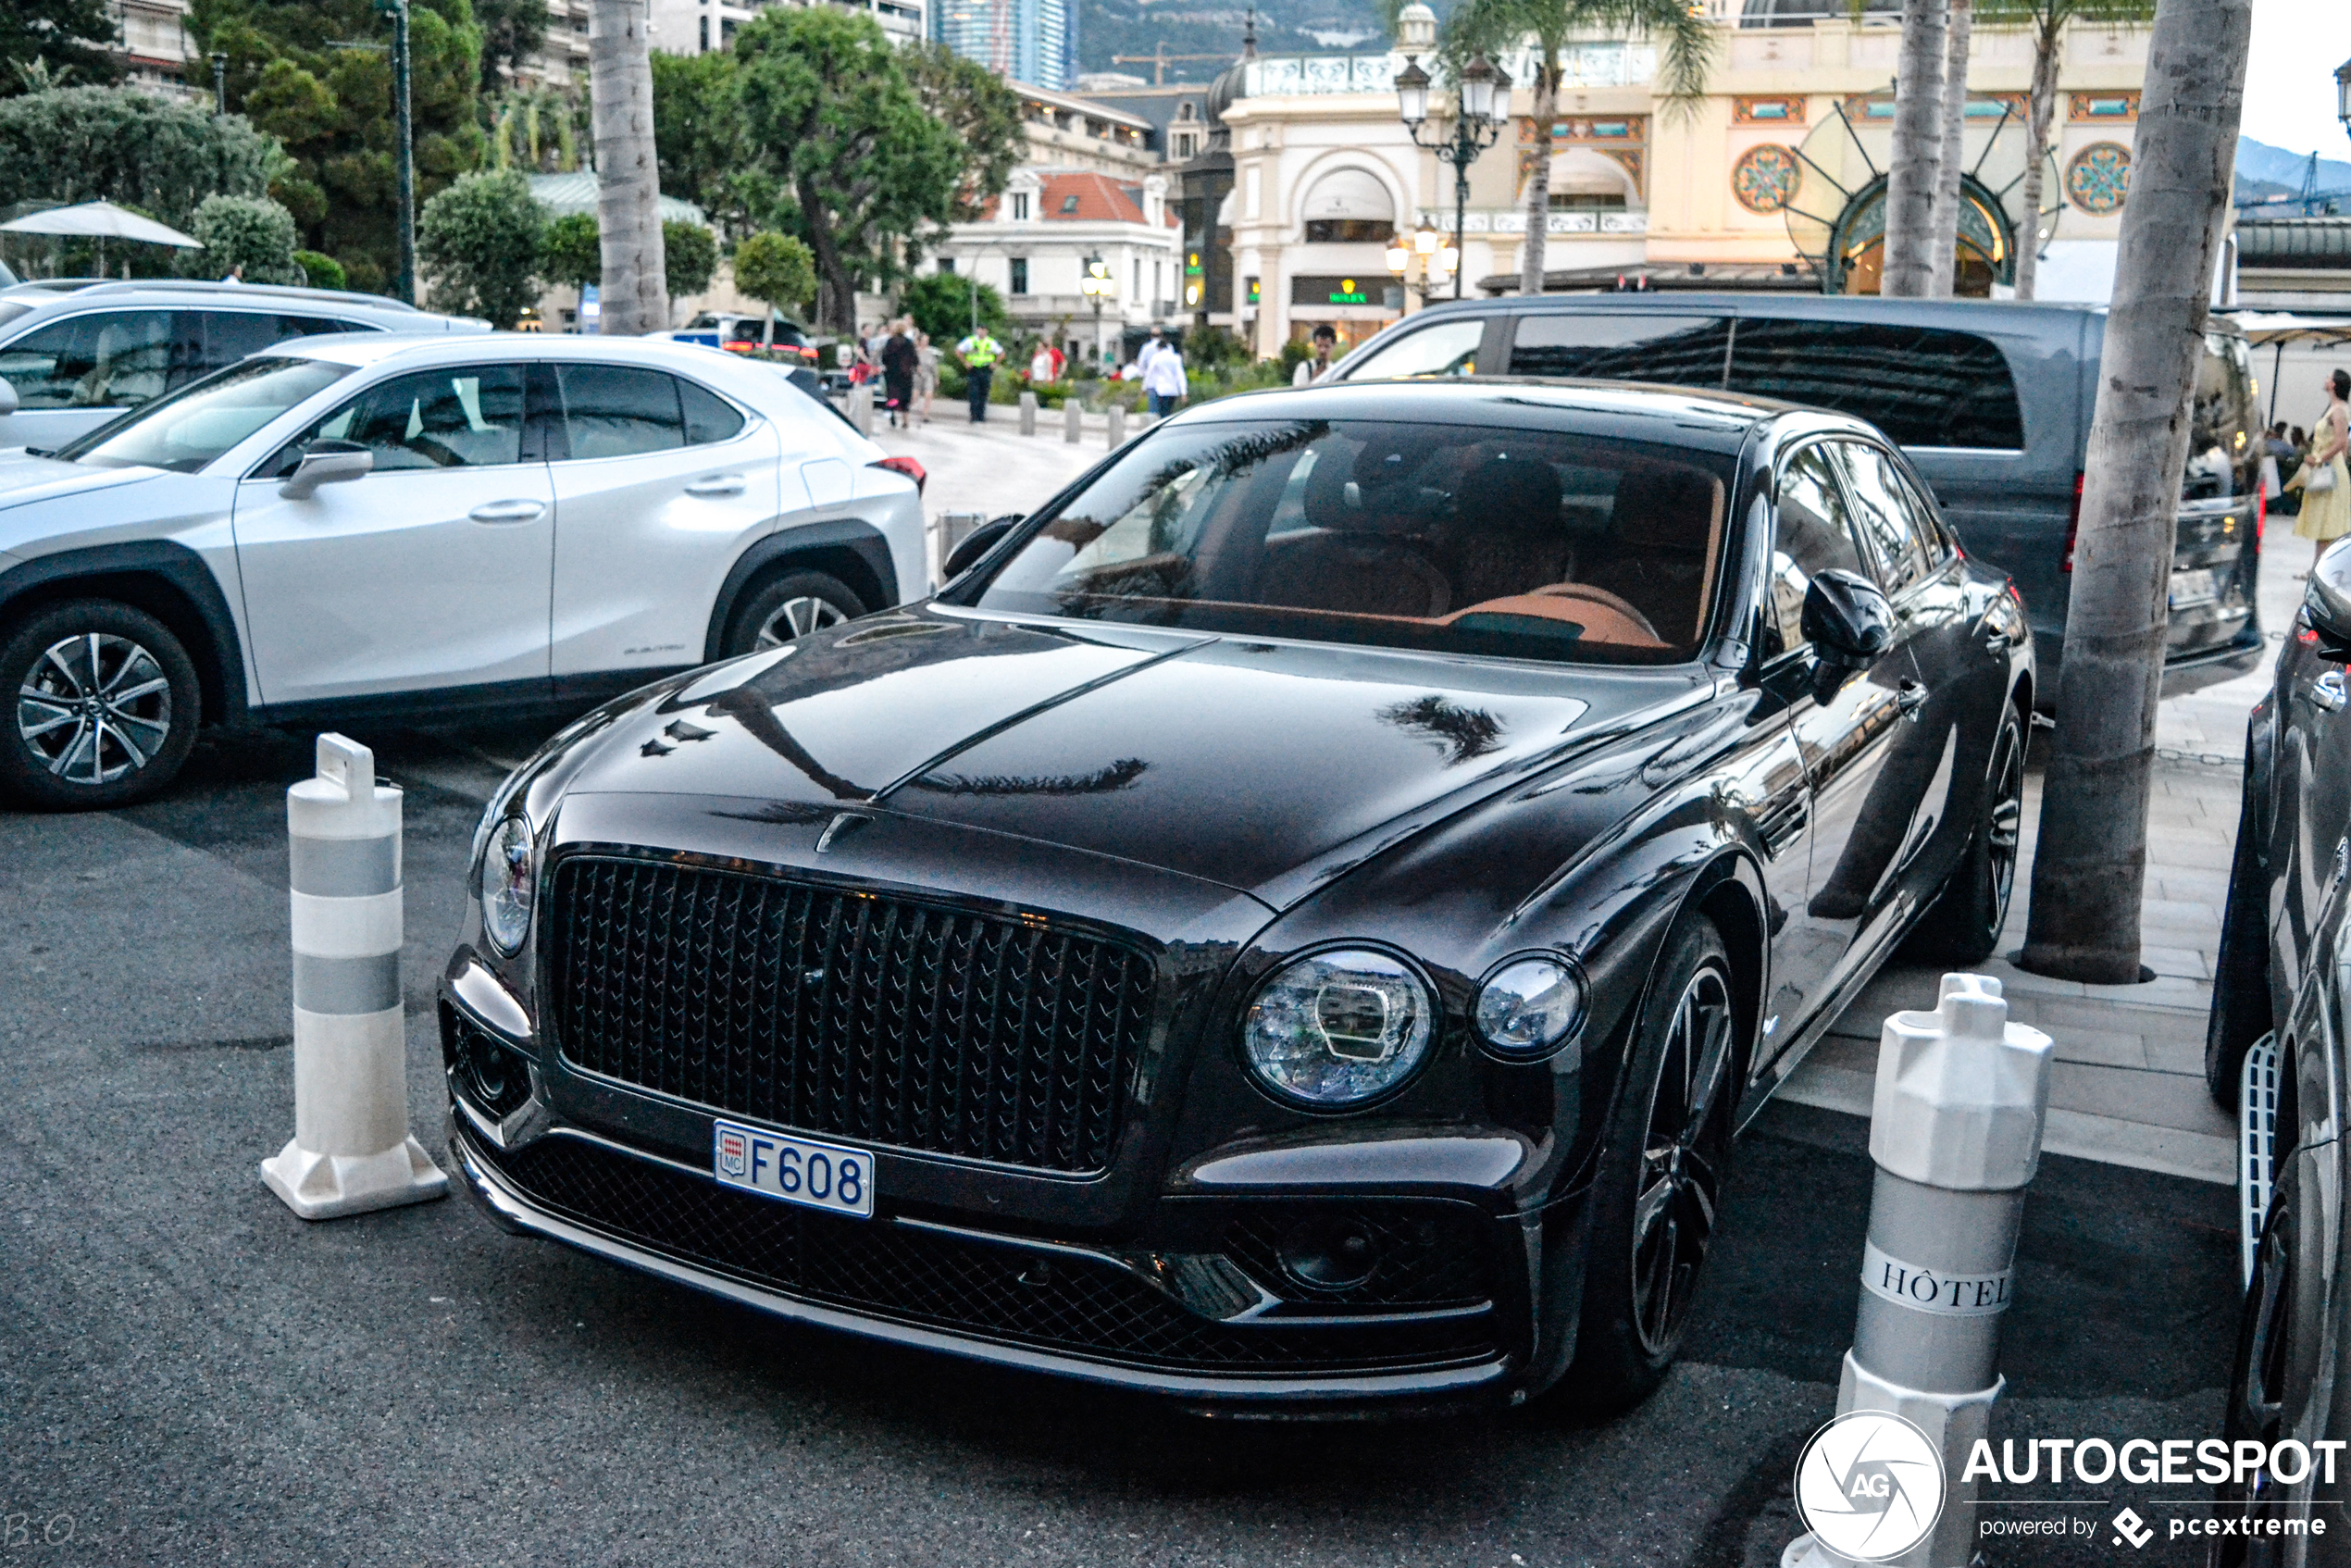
column 2325, row 480
column 899, row 363
column 980, row 353
column 926, row 372
column 1164, row 381
column 1311, row 371
column 1045, row 364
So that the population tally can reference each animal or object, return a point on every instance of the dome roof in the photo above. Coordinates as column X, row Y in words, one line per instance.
column 1231, row 83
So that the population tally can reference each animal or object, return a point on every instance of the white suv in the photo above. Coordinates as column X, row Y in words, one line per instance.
column 368, row 525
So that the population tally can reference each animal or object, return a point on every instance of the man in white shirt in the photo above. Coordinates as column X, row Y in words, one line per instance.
column 1164, row 383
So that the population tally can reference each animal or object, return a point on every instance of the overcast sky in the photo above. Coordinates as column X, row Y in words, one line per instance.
column 2289, row 83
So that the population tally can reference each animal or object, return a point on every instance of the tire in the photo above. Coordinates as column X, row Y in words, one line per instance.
column 1963, row 925
column 787, row 607
column 2241, row 1011
column 2279, row 1347
column 1654, row 1213
column 77, row 739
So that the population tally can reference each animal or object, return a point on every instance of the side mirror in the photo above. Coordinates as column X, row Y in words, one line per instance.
column 978, row 542
column 8, row 397
column 2326, row 605
column 326, row 462
column 1848, row 620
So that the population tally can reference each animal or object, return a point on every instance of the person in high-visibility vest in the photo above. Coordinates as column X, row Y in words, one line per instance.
column 979, row 353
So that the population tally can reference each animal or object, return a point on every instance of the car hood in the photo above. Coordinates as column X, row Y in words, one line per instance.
column 1268, row 768
column 25, row 478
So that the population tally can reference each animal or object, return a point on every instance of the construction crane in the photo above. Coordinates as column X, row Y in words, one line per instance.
column 1160, row 61
column 2313, row 202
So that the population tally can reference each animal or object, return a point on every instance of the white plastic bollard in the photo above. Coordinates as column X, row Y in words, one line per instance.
column 1117, row 416
column 1028, row 413
column 351, row 1151
column 1963, row 1097
column 1073, row 426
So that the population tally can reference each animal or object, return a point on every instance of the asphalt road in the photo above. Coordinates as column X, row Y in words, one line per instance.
column 189, row 1374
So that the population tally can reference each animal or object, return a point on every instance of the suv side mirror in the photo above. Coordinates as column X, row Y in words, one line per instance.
column 2327, row 603
column 326, row 462
column 1847, row 618
column 8, row 397
column 978, row 542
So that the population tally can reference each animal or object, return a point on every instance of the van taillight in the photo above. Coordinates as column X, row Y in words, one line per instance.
column 2073, row 526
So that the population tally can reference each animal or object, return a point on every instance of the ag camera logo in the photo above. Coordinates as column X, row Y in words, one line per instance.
column 1870, row 1486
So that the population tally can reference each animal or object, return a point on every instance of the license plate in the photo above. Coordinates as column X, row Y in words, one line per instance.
column 2193, row 588
column 822, row 1176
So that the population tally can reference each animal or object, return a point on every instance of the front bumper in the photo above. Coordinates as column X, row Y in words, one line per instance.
column 1178, row 1325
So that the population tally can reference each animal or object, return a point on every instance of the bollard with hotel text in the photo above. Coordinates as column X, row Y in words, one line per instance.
column 1963, row 1095
column 351, row 1151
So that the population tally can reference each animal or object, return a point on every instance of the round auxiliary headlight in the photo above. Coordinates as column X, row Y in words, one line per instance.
column 506, row 884
column 1338, row 1029
column 1528, row 1006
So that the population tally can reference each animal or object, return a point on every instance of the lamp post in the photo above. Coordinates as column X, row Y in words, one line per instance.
column 1098, row 286
column 220, row 84
column 403, row 153
column 1423, row 262
column 2343, row 94
column 1477, row 121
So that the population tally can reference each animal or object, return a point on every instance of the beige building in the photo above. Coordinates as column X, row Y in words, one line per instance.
column 1776, row 180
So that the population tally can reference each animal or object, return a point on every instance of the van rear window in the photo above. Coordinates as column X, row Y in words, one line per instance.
column 1923, row 386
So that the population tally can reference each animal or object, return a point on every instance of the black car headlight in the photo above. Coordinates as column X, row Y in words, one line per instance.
column 1338, row 1029
column 509, row 877
column 1529, row 1006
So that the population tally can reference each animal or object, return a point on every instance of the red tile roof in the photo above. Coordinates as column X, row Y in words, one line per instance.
column 1082, row 196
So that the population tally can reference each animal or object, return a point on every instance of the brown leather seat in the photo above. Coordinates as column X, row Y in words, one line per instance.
column 1364, row 558
column 1660, row 548
column 1506, row 537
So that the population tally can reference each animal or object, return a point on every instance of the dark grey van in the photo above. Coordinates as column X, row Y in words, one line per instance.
column 1991, row 399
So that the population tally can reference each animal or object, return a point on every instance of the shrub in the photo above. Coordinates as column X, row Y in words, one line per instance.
column 252, row 233
column 940, row 304
column 477, row 244
column 776, row 270
column 324, row 271
column 689, row 256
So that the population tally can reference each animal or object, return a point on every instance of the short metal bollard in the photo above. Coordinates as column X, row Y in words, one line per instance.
column 1028, row 412
column 351, row 1151
column 1117, row 416
column 1963, row 1097
column 1072, row 422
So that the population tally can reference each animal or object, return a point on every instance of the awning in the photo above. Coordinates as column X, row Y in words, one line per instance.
column 1347, row 193
column 101, row 220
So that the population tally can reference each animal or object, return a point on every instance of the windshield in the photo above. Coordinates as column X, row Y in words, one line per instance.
column 1540, row 544
column 204, row 418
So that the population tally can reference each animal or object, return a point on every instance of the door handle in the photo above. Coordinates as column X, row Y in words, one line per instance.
column 1911, row 696
column 717, row 484
column 507, row 511
column 1996, row 641
column 2328, row 693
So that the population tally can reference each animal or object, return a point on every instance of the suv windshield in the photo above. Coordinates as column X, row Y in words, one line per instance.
column 1540, row 544
column 204, row 418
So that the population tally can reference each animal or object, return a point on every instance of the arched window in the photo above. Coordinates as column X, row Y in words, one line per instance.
column 1582, row 180
column 1349, row 205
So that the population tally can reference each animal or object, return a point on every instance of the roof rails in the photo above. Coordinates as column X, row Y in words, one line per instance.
column 201, row 285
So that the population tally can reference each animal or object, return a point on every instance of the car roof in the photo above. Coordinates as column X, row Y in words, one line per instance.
column 362, row 349
column 1696, row 417
column 64, row 293
column 1989, row 314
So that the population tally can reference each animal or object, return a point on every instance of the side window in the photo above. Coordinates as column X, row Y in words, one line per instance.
column 1448, row 348
column 619, row 410
column 1884, row 508
column 709, row 418
column 222, row 337
column 1688, row 351
column 107, row 359
column 1922, row 386
column 1815, row 534
column 469, row 417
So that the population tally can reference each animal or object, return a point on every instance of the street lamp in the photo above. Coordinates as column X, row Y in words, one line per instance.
column 1423, row 262
column 2343, row 94
column 403, row 150
column 219, row 84
column 1097, row 285
column 1482, row 91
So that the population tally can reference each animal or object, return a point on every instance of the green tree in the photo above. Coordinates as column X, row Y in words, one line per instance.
column 984, row 113
column 323, row 271
column 52, row 42
column 863, row 163
column 316, row 74
column 689, row 253
column 80, row 143
column 571, row 251
column 250, row 232
column 536, row 130
column 944, row 304
column 512, row 30
column 698, row 135
column 777, row 270
column 478, row 246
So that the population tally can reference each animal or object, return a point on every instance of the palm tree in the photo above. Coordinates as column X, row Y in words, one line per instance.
column 1917, row 163
column 635, row 295
column 1494, row 27
column 1943, row 250
column 2047, row 20
column 2089, row 874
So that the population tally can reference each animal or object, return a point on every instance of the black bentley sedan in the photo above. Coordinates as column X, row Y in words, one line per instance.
column 1298, row 920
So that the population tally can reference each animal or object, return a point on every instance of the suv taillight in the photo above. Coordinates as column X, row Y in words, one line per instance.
column 905, row 466
column 2073, row 526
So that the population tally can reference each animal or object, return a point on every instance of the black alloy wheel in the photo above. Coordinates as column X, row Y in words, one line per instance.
column 103, row 706
column 788, row 608
column 2276, row 1363
column 1658, row 1196
column 1964, row 922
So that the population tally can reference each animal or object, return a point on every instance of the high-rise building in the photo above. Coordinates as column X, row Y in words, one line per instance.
column 1031, row 41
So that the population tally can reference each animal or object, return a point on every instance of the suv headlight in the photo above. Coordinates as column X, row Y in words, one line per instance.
column 1335, row 1029
column 1528, row 1006
column 508, row 878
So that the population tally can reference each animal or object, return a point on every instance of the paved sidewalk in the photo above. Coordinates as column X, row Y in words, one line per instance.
column 2129, row 1083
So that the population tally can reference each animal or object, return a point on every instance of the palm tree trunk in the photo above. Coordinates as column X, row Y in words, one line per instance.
column 1946, row 244
column 2090, row 870
column 1917, row 153
column 634, row 296
column 2039, row 109
column 1533, row 257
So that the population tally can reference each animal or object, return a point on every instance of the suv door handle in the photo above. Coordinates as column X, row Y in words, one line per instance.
column 717, row 484
column 507, row 511
column 1911, row 696
column 2328, row 692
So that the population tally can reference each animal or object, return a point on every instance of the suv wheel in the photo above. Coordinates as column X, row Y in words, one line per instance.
column 788, row 608
column 1963, row 926
column 102, row 703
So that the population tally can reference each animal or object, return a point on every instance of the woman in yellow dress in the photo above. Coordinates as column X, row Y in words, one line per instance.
column 2326, row 512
